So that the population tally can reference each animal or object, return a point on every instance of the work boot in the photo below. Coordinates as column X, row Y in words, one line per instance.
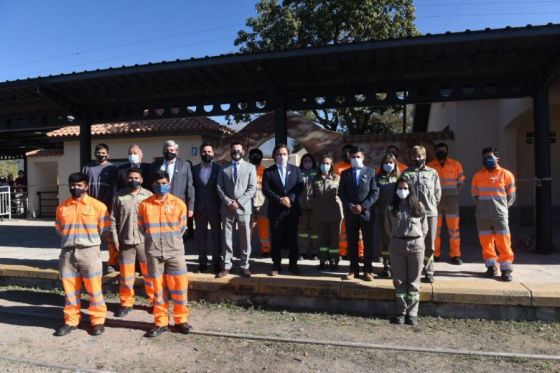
column 491, row 271
column 245, row 272
column 456, row 260
column 436, row 258
column 183, row 328
column 123, row 311
column 506, row 276
column 429, row 278
column 411, row 320
column 112, row 269
column 97, row 330
column 386, row 272
column 398, row 319
column 223, row 273
column 64, row 330
column 156, row 331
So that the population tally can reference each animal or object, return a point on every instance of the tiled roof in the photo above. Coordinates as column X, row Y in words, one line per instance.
column 148, row 127
column 44, row 153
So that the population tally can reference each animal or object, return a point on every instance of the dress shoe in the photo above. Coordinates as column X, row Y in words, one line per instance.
column 386, row 272
column 223, row 273
column 429, row 278
column 411, row 320
column 321, row 265
column 245, row 272
column 350, row 276
column 183, row 328
column 64, row 330
column 398, row 319
column 436, row 259
column 156, row 331
column 202, row 269
column 491, row 271
column 368, row 277
column 274, row 272
column 97, row 330
column 506, row 276
column 456, row 260
column 123, row 311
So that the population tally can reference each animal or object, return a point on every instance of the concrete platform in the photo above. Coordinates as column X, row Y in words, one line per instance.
column 459, row 291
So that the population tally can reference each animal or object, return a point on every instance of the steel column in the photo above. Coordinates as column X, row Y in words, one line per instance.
column 85, row 141
column 280, row 121
column 543, row 188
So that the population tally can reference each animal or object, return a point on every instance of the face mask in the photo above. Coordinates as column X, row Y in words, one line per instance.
column 134, row 184
column 388, row 167
column 236, row 155
column 207, row 158
column 255, row 159
column 402, row 193
column 441, row 155
column 77, row 192
column 357, row 162
column 101, row 158
column 490, row 162
column 419, row 162
column 307, row 165
column 325, row 168
column 134, row 158
column 282, row 160
column 161, row 189
column 169, row 156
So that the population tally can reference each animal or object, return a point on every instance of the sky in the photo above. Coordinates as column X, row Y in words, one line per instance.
column 44, row 37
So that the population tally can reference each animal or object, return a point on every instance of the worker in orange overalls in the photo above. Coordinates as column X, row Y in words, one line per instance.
column 493, row 189
column 128, row 239
column 452, row 179
column 338, row 168
column 81, row 222
column 163, row 219
column 259, row 217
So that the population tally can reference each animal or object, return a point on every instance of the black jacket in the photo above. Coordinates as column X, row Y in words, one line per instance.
column 364, row 194
column 274, row 190
column 207, row 198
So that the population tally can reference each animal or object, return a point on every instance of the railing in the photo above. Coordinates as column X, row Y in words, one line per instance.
column 5, row 202
column 48, row 201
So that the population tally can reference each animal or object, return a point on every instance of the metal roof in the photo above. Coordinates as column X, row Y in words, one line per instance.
column 468, row 65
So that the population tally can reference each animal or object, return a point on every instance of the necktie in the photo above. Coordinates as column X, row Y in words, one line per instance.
column 356, row 180
column 283, row 175
column 235, row 173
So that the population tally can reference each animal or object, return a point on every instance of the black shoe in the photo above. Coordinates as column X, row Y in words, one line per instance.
column 411, row 320
column 295, row 270
column 436, row 258
column 64, row 330
column 123, row 311
column 456, row 260
column 386, row 272
column 429, row 278
column 202, row 269
column 321, row 266
column 156, row 331
column 491, row 271
column 344, row 257
column 245, row 272
column 265, row 255
column 397, row 320
column 506, row 276
column 112, row 269
column 184, row 328
column 97, row 330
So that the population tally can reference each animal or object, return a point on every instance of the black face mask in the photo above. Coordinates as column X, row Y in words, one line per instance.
column 441, row 155
column 236, row 155
column 77, row 192
column 207, row 158
column 134, row 184
column 419, row 162
column 101, row 158
column 255, row 159
column 169, row 156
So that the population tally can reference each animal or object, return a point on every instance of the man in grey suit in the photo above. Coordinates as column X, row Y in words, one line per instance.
column 237, row 184
column 207, row 208
column 180, row 174
column 358, row 192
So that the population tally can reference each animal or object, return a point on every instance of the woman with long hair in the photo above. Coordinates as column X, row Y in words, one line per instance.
column 405, row 223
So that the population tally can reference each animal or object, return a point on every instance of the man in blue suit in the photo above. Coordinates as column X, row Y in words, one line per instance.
column 282, row 183
column 358, row 193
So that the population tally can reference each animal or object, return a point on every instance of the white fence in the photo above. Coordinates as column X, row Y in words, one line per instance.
column 5, row 202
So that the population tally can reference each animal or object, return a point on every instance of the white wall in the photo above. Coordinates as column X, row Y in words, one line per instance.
column 42, row 175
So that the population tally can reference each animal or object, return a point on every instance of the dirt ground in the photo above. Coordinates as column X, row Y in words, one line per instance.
column 28, row 319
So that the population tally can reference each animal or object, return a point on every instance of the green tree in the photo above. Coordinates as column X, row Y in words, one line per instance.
column 308, row 23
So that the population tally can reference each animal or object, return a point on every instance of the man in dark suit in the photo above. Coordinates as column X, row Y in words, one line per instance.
column 282, row 184
column 180, row 174
column 207, row 208
column 358, row 193
column 135, row 156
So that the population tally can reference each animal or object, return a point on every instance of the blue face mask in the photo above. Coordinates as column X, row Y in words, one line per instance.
column 490, row 162
column 161, row 189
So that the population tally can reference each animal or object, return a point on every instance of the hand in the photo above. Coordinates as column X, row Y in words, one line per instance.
column 356, row 209
column 285, row 201
column 233, row 206
column 116, row 245
column 190, row 214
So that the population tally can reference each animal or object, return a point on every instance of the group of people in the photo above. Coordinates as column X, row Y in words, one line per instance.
column 330, row 210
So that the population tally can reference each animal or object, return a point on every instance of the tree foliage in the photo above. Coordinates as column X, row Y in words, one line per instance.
column 308, row 23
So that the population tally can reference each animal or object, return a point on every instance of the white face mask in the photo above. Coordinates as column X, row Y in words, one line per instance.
column 325, row 168
column 134, row 158
column 388, row 167
column 403, row 193
column 357, row 162
column 282, row 160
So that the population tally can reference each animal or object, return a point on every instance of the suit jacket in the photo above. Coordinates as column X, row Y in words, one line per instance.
column 364, row 194
column 122, row 179
column 207, row 198
column 182, row 182
column 274, row 190
column 241, row 191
